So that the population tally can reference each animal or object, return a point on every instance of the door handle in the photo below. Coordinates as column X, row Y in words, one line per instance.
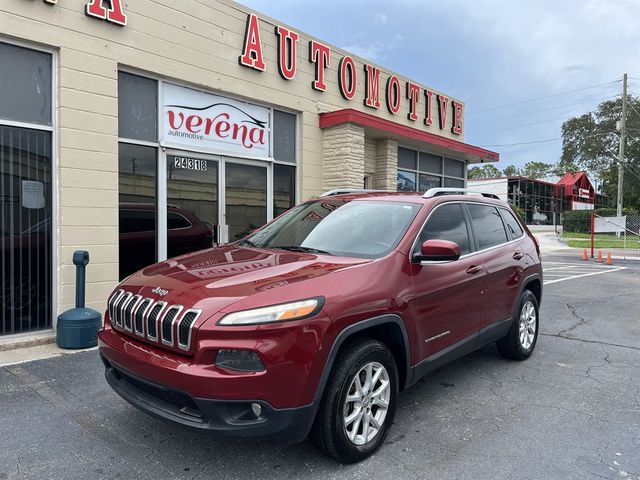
column 518, row 255
column 473, row 269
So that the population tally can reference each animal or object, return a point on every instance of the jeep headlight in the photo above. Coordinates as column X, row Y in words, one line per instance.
column 275, row 313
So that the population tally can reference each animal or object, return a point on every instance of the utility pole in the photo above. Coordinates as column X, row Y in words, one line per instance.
column 623, row 137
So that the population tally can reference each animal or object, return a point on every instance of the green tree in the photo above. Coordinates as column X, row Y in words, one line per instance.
column 590, row 142
column 511, row 171
column 485, row 171
column 537, row 170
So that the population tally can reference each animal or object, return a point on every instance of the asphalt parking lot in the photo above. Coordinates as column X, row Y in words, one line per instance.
column 572, row 411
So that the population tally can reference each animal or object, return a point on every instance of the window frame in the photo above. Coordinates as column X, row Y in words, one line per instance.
column 467, row 222
column 474, row 244
column 442, row 175
column 161, row 179
column 55, row 141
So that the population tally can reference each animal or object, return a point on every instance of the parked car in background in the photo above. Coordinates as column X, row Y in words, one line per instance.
column 185, row 233
column 314, row 322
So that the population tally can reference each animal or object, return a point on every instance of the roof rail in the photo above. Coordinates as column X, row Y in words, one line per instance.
column 341, row 191
column 436, row 192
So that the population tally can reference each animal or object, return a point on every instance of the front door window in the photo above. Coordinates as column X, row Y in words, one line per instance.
column 245, row 199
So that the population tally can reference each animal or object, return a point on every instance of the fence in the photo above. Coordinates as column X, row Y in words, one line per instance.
column 615, row 234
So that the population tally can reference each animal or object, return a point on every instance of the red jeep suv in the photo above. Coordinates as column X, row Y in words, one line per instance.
column 315, row 322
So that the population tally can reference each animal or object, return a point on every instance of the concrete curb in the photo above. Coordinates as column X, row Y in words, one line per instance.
column 26, row 341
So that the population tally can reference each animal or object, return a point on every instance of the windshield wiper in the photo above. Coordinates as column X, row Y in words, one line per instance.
column 245, row 242
column 300, row 248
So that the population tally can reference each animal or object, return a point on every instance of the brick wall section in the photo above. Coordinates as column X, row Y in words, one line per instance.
column 343, row 157
column 386, row 165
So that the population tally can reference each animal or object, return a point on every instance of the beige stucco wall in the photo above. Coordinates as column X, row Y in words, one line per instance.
column 191, row 41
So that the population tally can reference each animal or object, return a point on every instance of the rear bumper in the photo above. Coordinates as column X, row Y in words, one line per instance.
column 224, row 417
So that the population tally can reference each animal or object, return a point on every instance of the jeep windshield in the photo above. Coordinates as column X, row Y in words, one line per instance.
column 361, row 229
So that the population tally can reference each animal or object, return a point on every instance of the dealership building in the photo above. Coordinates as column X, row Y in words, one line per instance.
column 145, row 129
column 542, row 202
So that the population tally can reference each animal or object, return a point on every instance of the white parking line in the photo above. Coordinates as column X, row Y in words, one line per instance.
column 573, row 277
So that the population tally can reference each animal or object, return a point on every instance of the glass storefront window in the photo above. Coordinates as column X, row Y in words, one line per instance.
column 25, row 230
column 406, row 181
column 137, row 204
column 284, row 188
column 245, row 199
column 406, row 158
column 453, row 182
column 137, row 107
column 427, row 168
column 284, row 137
column 25, row 85
column 428, row 181
column 430, row 163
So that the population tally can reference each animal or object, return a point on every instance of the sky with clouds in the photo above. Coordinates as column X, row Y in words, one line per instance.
column 496, row 55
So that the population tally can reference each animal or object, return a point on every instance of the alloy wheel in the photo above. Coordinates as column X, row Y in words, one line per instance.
column 366, row 404
column 528, row 325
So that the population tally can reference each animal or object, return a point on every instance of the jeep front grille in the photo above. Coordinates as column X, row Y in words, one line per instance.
column 158, row 322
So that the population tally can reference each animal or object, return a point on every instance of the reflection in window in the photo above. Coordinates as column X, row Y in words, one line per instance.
column 137, row 107
column 284, row 188
column 406, row 181
column 25, row 230
column 192, row 199
column 446, row 223
column 25, row 85
column 245, row 198
column 487, row 225
column 137, row 196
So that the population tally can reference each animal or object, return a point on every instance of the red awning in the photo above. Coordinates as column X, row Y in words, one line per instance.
column 386, row 128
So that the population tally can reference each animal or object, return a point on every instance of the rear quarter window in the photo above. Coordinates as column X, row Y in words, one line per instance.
column 487, row 225
column 514, row 230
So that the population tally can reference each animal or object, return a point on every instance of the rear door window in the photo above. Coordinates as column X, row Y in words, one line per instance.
column 446, row 222
column 514, row 230
column 487, row 225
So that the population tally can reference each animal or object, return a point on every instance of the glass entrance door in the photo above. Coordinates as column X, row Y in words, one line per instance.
column 245, row 198
column 192, row 203
column 212, row 200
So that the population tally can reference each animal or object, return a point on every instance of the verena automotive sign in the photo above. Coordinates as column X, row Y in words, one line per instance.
column 203, row 121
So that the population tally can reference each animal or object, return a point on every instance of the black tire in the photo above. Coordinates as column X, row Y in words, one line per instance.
column 329, row 430
column 511, row 346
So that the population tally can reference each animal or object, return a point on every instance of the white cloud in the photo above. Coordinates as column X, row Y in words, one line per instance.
column 380, row 19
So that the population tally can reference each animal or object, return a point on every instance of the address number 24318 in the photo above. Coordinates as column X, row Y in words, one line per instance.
column 190, row 163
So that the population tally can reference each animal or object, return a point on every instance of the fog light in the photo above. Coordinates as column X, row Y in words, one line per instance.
column 256, row 409
column 239, row 360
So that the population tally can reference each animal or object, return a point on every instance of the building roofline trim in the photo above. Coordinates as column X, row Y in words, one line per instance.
column 349, row 115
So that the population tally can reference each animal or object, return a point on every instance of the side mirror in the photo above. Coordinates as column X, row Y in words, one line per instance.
column 438, row 251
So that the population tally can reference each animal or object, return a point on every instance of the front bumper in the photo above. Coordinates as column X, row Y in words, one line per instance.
column 224, row 417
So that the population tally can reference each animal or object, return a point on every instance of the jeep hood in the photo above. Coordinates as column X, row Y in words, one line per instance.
column 216, row 278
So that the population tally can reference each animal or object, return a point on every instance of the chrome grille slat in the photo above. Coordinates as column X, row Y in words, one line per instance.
column 114, row 299
column 168, row 323
column 128, row 312
column 139, row 315
column 185, row 328
column 152, row 320
column 156, row 321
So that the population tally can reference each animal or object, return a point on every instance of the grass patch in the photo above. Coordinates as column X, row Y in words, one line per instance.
column 602, row 243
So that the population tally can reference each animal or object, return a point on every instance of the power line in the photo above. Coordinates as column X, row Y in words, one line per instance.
column 551, row 108
column 543, row 97
column 523, row 143
column 521, row 125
